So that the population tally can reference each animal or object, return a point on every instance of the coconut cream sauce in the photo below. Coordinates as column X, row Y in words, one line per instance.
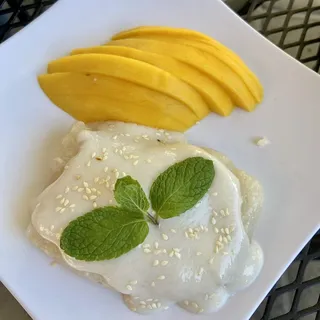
column 198, row 259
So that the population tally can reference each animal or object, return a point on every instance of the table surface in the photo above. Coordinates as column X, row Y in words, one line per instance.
column 293, row 25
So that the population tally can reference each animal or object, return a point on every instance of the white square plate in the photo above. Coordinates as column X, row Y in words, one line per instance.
column 31, row 128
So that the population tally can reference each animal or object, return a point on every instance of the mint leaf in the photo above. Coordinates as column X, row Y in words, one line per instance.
column 103, row 234
column 129, row 194
column 181, row 186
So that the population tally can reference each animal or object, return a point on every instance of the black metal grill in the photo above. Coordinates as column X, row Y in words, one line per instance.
column 302, row 41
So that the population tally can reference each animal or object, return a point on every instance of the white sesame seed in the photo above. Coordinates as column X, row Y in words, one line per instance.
column 186, row 234
column 115, row 137
column 58, row 209
column 186, row 302
column 216, row 230
column 80, row 189
column 67, row 189
column 161, row 277
column 85, row 197
column 195, row 305
column 129, row 287
column 94, row 205
column 147, row 245
column 133, row 282
column 85, row 184
column 135, row 162
column 117, row 175
column 78, row 176
column 96, row 179
column 215, row 213
column 88, row 163
column 75, row 188
column 149, row 160
column 171, row 254
column 146, row 250
column 156, row 252
column 110, row 201
column 154, row 306
column 104, row 150
column 211, row 260
column 225, row 253
column 93, row 190
column 173, row 230
column 164, row 251
column 229, row 237
column 225, row 239
column 227, row 230
column 158, row 304
column 62, row 200
column 155, row 263
column 105, row 157
column 199, row 253
column 93, row 197
column 59, row 196
column 72, row 205
column 206, row 229
column 156, row 245
column 227, row 212
column 165, row 237
column 149, row 306
column 222, row 230
column 88, row 191
column 215, row 194
column 66, row 202
column 62, row 210
column 201, row 310
column 153, row 284
column 178, row 255
column 93, row 155
column 164, row 263
column 98, row 193
column 143, row 303
column 176, row 249
column 213, row 221
column 220, row 238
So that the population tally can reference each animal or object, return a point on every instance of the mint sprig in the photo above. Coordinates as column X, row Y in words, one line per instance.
column 109, row 232
column 103, row 234
column 181, row 186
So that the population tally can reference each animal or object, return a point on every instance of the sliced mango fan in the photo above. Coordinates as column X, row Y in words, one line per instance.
column 161, row 77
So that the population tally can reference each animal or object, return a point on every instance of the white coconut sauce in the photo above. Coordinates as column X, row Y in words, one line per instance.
column 198, row 259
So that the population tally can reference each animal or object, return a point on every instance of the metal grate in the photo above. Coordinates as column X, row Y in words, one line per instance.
column 293, row 25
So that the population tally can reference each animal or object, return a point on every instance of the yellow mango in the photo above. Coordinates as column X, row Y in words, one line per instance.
column 203, row 61
column 136, row 72
column 203, row 42
column 216, row 97
column 95, row 97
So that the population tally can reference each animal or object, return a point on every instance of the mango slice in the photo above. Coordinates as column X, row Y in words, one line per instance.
column 216, row 97
column 203, row 42
column 136, row 72
column 203, row 61
column 95, row 97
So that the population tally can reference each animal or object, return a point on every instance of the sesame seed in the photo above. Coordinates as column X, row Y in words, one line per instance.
column 78, row 176
column 80, row 189
column 143, row 303
column 156, row 252
column 88, row 191
column 129, row 287
column 158, row 304
column 58, row 209
column 195, row 305
column 229, row 238
column 117, row 174
column 96, row 179
column 154, row 306
column 110, row 201
column 171, row 254
column 222, row 230
column 94, row 205
column 72, row 205
column 156, row 245
column 66, row 202
column 215, row 194
column 227, row 212
column 93, row 197
column 115, row 137
column 186, row 234
column 133, row 282
column 164, row 263
column 75, row 188
column 213, row 221
column 201, row 310
column 104, row 150
column 146, row 250
column 173, row 230
column 227, row 230
column 161, row 277
column 85, row 197
column 149, row 160
column 222, row 212
column 220, row 238
column 215, row 213
column 211, row 260
column 206, row 229
column 135, row 162
column 225, row 239
column 93, row 189
column 176, row 249
column 155, row 263
column 199, row 253
column 149, row 306
column 164, row 251
column 67, row 189
column 62, row 210
column 186, row 302
column 165, row 237
column 93, row 155
column 59, row 196
column 62, row 200
column 85, row 184
column 206, row 297
column 98, row 193
column 178, row 255
column 105, row 157
column 153, row 284
column 147, row 245
column 216, row 230
column 225, row 253
column 88, row 163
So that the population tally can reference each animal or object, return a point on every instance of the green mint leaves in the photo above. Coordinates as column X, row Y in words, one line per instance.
column 181, row 186
column 109, row 232
column 103, row 234
column 129, row 194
